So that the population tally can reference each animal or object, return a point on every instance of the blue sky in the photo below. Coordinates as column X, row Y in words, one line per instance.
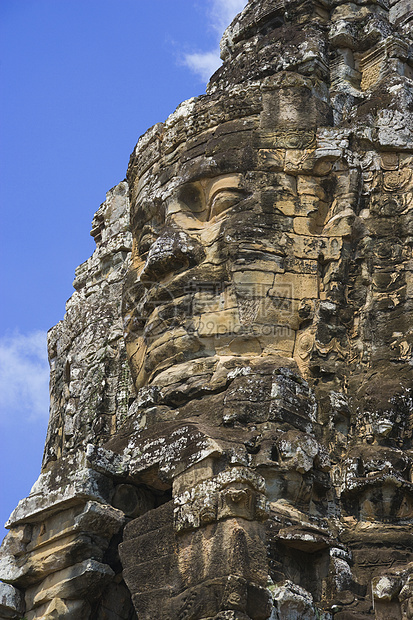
column 80, row 81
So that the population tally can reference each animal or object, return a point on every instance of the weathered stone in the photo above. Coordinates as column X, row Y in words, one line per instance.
column 293, row 602
column 236, row 384
column 58, row 541
column 77, row 582
column 11, row 602
column 60, row 608
column 48, row 497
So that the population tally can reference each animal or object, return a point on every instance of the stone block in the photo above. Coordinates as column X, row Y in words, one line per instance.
column 11, row 602
column 144, row 576
column 299, row 286
column 270, row 218
column 151, row 604
column 116, row 603
column 157, row 544
column 150, row 522
column 80, row 581
column 48, row 498
column 51, row 558
column 61, row 609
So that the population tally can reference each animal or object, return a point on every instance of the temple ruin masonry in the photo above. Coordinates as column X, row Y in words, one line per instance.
column 231, row 387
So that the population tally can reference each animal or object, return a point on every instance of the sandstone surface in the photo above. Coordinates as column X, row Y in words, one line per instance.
column 231, row 422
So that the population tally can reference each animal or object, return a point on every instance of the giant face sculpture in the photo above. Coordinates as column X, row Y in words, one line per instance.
column 229, row 211
column 264, row 460
column 217, row 265
column 208, row 285
column 253, row 227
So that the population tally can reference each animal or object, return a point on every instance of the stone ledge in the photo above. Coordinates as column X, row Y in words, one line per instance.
column 45, row 501
column 76, row 582
column 11, row 602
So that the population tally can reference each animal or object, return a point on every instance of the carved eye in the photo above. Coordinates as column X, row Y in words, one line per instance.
column 191, row 197
column 224, row 200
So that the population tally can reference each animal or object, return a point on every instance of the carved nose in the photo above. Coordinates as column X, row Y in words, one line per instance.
column 172, row 252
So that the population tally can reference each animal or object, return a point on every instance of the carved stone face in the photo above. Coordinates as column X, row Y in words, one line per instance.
column 237, row 215
column 210, row 273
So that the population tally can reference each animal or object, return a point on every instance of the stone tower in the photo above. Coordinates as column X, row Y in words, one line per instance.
column 230, row 434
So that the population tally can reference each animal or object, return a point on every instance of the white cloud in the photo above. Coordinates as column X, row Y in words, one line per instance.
column 220, row 14
column 24, row 376
column 204, row 64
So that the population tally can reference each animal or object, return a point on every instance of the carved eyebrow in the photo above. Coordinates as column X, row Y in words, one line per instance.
column 230, row 195
column 235, row 190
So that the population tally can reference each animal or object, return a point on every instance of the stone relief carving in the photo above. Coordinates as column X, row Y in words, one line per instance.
column 231, row 410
